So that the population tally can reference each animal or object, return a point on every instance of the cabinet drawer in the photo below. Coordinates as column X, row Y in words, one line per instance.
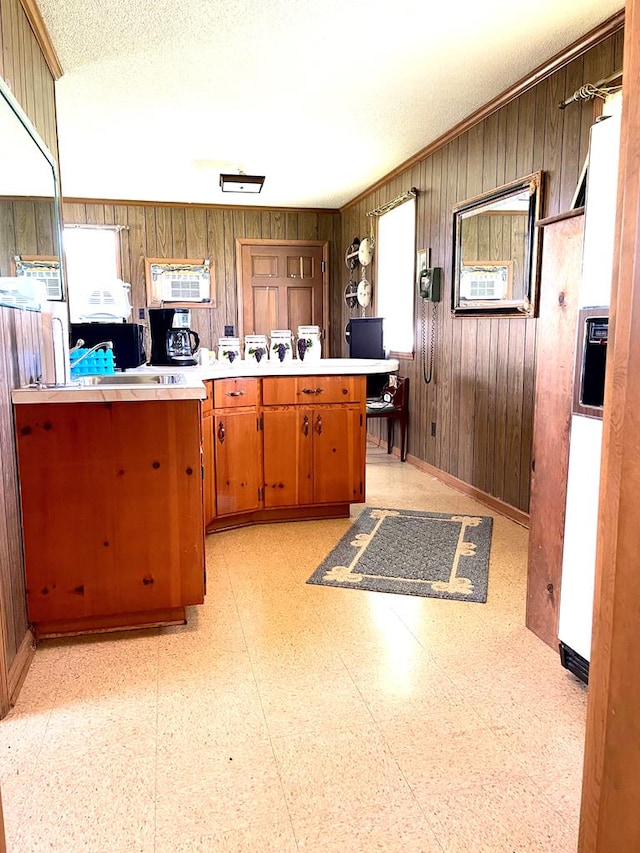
column 288, row 390
column 207, row 404
column 231, row 393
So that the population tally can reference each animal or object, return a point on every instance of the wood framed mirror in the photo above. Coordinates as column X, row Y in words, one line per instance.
column 496, row 249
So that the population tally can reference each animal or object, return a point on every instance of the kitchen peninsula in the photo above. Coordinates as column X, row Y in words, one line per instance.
column 120, row 479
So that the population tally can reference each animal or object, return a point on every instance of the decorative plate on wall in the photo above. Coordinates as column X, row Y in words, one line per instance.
column 365, row 251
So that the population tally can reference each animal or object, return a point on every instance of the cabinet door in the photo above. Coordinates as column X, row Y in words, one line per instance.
column 288, row 458
column 208, row 463
column 237, row 462
column 338, row 458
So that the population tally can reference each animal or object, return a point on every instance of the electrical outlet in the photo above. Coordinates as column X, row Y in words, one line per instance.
column 141, row 314
column 433, row 429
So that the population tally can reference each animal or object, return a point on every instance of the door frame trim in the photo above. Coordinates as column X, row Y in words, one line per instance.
column 241, row 242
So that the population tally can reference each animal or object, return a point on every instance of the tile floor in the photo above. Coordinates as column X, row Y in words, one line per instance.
column 290, row 717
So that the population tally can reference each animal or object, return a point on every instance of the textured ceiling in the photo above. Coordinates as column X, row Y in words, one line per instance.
column 323, row 97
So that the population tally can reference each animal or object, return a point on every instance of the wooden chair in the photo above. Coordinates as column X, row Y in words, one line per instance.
column 394, row 406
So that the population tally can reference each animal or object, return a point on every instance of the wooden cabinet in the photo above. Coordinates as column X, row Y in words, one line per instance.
column 237, row 461
column 557, row 325
column 232, row 451
column 313, row 456
column 284, row 447
column 112, row 513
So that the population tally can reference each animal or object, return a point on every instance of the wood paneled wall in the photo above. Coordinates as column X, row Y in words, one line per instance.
column 25, row 69
column 189, row 231
column 481, row 401
column 25, row 227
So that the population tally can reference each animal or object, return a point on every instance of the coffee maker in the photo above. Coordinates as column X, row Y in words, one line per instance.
column 173, row 343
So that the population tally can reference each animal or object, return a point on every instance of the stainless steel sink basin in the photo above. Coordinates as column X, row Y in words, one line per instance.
column 134, row 379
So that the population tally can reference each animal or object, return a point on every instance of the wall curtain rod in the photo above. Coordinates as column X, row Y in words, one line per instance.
column 593, row 90
column 395, row 202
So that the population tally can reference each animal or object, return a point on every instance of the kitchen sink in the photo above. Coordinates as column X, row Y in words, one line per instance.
column 133, row 379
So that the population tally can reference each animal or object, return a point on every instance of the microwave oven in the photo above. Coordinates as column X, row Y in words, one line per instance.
column 127, row 339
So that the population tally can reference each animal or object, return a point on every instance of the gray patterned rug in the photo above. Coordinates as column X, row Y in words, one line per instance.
column 413, row 553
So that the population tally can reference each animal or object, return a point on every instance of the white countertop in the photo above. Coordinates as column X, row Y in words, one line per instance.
column 192, row 388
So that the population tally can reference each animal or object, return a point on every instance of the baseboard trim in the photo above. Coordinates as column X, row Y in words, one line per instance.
column 505, row 509
column 20, row 666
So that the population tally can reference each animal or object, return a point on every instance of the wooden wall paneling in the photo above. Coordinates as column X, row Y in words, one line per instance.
column 229, row 255
column 512, row 114
column 164, row 236
column 308, row 226
column 138, row 250
column 46, row 242
column 423, row 403
column 529, row 365
column 526, row 132
column 25, row 227
column 278, row 225
column 571, row 127
column 515, row 385
column 215, row 243
column 553, row 147
column 445, row 367
column 151, row 234
column 265, row 224
column 253, row 223
column 291, row 225
column 196, row 231
column 179, row 231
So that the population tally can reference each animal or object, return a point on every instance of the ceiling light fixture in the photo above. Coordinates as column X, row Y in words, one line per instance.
column 241, row 183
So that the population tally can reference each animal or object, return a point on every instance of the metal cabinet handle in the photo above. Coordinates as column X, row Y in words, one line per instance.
column 305, row 426
column 312, row 390
column 240, row 393
column 221, row 432
column 319, row 425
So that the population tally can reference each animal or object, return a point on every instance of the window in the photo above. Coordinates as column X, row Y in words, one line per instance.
column 92, row 256
column 44, row 269
column 179, row 281
column 395, row 269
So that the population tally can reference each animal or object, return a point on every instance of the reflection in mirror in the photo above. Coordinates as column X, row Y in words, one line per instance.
column 496, row 248
column 29, row 209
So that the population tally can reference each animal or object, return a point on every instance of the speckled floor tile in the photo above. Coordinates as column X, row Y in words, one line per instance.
column 286, row 716
column 268, row 837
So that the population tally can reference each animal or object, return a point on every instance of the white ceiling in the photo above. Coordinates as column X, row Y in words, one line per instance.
column 323, row 97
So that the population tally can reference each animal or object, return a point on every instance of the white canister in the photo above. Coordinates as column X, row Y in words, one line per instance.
column 256, row 348
column 228, row 350
column 204, row 357
column 309, row 347
column 281, row 345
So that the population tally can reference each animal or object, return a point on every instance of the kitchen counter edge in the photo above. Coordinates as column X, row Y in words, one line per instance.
column 194, row 389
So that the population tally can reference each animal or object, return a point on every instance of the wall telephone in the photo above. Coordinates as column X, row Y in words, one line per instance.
column 429, row 280
column 429, row 284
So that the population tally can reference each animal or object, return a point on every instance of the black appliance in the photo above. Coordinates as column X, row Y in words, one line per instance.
column 173, row 343
column 591, row 362
column 364, row 336
column 127, row 339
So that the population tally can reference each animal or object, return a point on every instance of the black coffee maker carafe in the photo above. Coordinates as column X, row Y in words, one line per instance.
column 173, row 343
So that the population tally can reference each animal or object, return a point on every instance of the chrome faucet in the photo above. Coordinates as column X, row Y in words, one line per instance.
column 80, row 342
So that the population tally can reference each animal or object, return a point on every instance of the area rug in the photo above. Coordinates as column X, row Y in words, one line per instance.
column 413, row 553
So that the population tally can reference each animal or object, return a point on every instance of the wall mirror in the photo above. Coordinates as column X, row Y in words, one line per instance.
column 30, row 227
column 496, row 251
